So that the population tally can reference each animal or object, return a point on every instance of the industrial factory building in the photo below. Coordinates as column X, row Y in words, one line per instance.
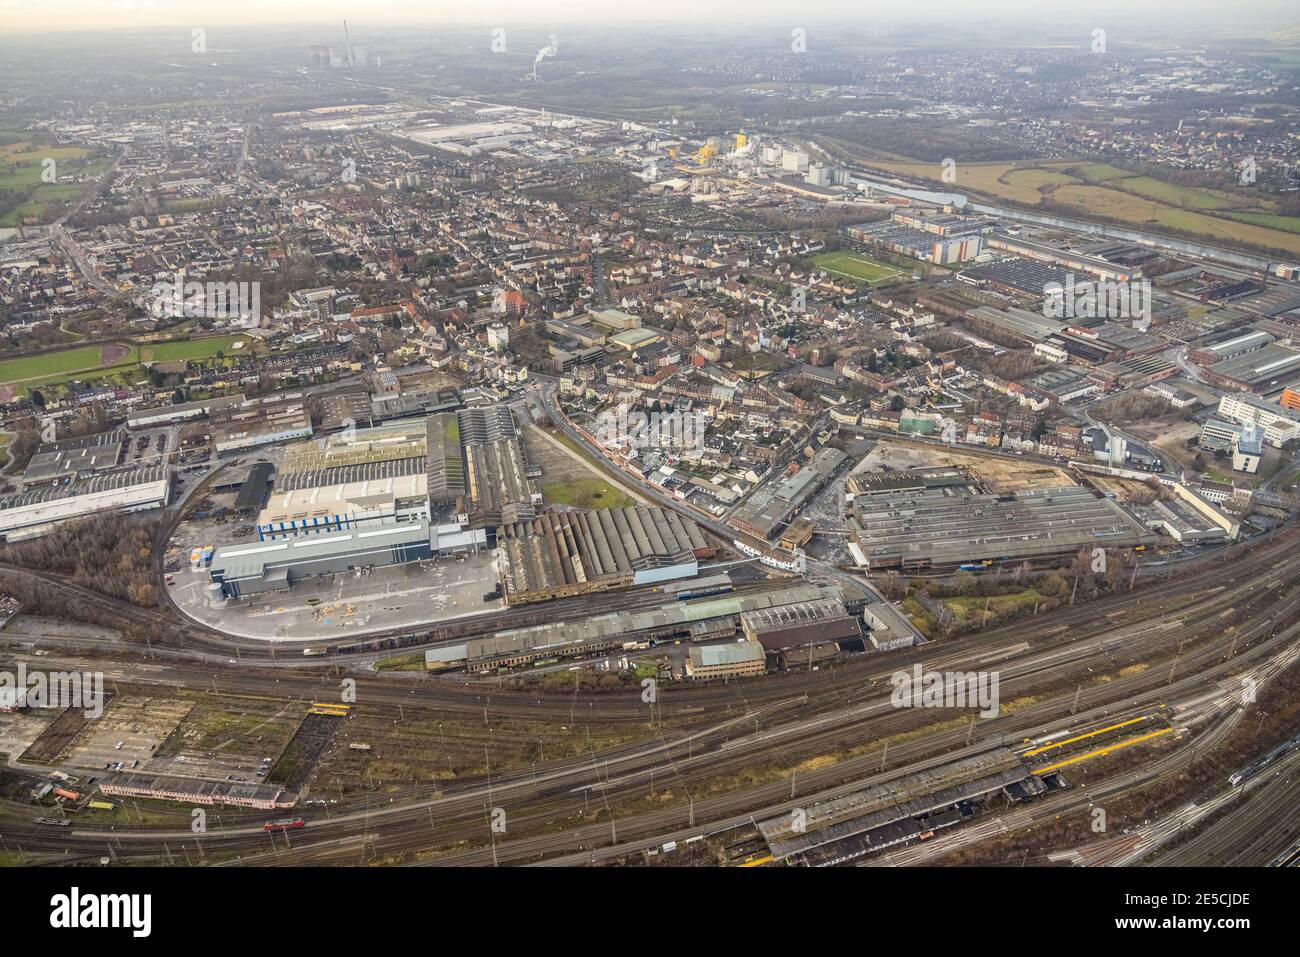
column 799, row 623
column 950, row 527
column 767, row 510
column 1260, row 371
column 694, row 621
column 733, row 659
column 497, row 486
column 181, row 411
column 558, row 554
column 72, row 458
column 256, row 567
column 348, row 479
column 35, row 511
column 355, row 500
column 260, row 422
column 477, row 468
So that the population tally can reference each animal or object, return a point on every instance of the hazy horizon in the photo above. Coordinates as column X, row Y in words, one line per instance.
column 34, row 17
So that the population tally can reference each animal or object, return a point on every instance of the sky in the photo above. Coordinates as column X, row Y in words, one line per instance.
column 47, row 16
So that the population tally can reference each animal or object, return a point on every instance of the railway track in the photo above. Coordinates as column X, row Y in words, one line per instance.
column 824, row 715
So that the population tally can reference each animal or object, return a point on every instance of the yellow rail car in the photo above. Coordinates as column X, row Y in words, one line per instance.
column 328, row 708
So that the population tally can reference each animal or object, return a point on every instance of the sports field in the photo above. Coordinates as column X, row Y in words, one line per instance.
column 855, row 266
column 190, row 349
column 68, row 362
column 90, row 362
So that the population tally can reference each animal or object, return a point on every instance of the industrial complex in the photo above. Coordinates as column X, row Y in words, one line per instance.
column 559, row 554
column 36, row 510
column 941, row 519
column 681, row 446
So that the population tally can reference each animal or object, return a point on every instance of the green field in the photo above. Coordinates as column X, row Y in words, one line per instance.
column 190, row 349
column 1098, row 172
column 1175, row 195
column 1038, row 178
column 854, row 266
column 20, row 172
column 1272, row 220
column 51, row 364
column 586, row 493
column 87, row 362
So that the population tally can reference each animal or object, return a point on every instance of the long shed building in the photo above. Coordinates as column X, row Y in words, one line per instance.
column 558, row 554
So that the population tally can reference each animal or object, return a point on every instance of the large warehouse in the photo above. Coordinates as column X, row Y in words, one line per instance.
column 703, row 620
column 353, row 477
column 255, row 567
column 73, row 458
column 558, row 554
column 350, row 500
column 477, row 467
column 947, row 527
column 799, row 623
column 35, row 511
column 260, row 422
column 1261, row 371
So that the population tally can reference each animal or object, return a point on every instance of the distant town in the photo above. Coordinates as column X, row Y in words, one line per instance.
column 394, row 417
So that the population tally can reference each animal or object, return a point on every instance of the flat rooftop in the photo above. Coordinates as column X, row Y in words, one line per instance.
column 944, row 527
column 250, row 560
column 93, row 453
column 103, row 482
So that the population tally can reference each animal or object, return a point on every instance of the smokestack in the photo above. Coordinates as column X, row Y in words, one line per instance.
column 551, row 48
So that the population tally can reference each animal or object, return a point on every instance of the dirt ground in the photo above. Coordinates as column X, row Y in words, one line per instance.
column 999, row 474
column 1170, row 438
column 1123, row 489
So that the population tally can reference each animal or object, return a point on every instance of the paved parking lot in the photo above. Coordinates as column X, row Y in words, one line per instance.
column 18, row 731
column 152, row 446
column 140, row 724
column 335, row 607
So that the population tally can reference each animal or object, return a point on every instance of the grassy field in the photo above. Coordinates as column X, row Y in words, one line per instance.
column 54, row 365
column 92, row 362
column 1113, row 204
column 1181, row 196
column 1037, row 178
column 193, row 349
column 21, row 166
column 1098, row 172
column 586, row 493
column 1102, row 190
column 1290, row 224
column 854, row 266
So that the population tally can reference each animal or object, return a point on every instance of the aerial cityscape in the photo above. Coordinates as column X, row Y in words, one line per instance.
column 759, row 442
